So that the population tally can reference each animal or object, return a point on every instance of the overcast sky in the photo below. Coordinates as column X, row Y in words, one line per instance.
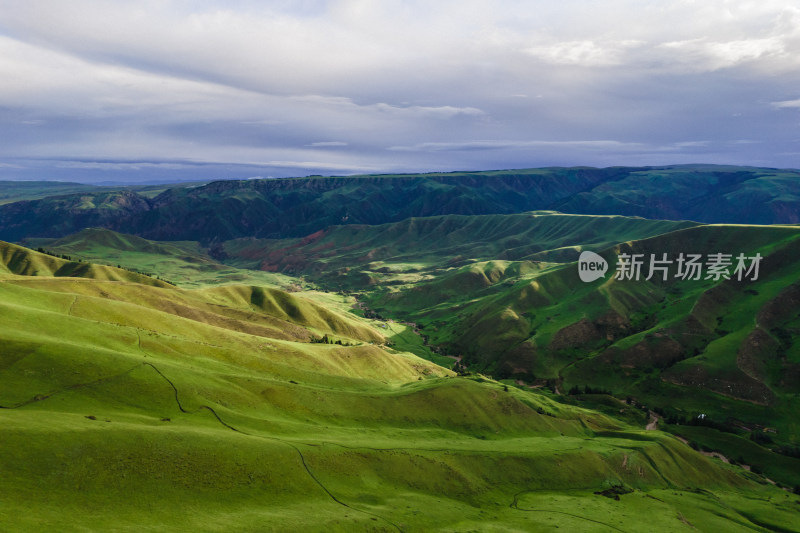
column 103, row 90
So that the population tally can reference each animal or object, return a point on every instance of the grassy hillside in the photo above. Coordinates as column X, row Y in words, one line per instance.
column 130, row 407
column 186, row 263
column 533, row 320
column 352, row 254
column 726, row 350
column 23, row 261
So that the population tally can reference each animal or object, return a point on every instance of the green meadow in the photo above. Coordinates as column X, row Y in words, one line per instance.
column 132, row 404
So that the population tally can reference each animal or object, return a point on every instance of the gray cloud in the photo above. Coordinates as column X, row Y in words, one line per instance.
column 131, row 89
column 327, row 144
column 505, row 145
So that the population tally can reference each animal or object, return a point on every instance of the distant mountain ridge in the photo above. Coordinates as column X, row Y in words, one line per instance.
column 296, row 207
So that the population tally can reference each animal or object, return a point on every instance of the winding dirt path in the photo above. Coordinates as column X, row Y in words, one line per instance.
column 653, row 424
column 42, row 397
column 515, row 505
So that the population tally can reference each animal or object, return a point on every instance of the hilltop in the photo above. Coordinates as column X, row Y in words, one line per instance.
column 344, row 251
column 23, row 261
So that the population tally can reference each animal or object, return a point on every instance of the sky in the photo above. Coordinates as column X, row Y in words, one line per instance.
column 169, row 90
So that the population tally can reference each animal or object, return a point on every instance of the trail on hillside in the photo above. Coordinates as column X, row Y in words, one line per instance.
column 653, row 424
column 282, row 441
column 42, row 397
column 515, row 505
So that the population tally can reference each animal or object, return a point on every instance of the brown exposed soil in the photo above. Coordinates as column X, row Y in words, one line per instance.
column 757, row 347
column 574, row 335
column 659, row 351
column 736, row 385
column 718, row 456
column 774, row 311
column 653, row 424
column 529, row 385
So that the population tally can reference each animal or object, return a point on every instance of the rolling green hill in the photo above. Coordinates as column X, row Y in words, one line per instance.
column 128, row 406
column 421, row 244
column 708, row 344
column 724, row 349
column 19, row 260
column 243, row 308
column 187, row 264
column 502, row 291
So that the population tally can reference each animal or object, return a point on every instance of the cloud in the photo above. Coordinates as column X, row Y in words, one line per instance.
column 787, row 104
column 327, row 144
column 510, row 144
column 315, row 165
column 584, row 53
column 709, row 55
column 415, row 111
column 117, row 165
column 445, row 111
column 394, row 85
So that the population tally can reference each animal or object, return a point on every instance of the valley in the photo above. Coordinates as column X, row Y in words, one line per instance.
column 279, row 354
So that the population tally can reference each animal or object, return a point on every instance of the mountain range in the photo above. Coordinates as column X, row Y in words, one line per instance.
column 268, row 208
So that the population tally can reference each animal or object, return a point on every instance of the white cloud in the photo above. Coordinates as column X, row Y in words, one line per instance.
column 584, row 53
column 701, row 54
column 787, row 104
column 427, row 111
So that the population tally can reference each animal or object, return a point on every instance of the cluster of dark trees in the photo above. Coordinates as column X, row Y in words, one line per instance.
column 461, row 369
column 327, row 340
column 60, row 256
column 79, row 260
column 574, row 391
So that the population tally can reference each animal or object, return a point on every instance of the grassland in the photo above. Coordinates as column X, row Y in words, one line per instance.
column 352, row 255
column 132, row 405
column 725, row 350
column 186, row 264
column 502, row 292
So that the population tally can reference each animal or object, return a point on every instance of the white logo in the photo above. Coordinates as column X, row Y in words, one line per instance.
column 688, row 266
column 591, row 266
